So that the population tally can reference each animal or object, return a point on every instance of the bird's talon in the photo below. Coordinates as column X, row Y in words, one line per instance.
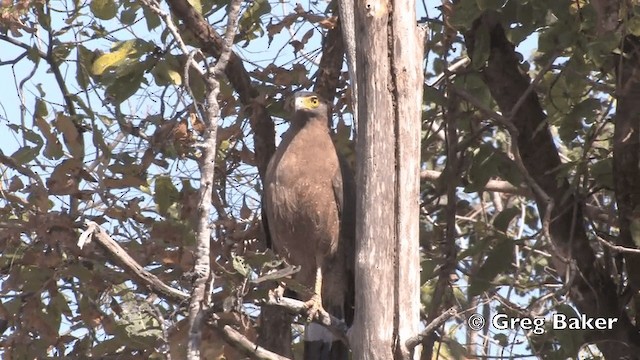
column 314, row 308
column 277, row 294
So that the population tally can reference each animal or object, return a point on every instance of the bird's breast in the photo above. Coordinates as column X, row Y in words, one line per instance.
column 303, row 208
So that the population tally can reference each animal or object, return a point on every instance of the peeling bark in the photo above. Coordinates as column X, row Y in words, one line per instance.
column 389, row 77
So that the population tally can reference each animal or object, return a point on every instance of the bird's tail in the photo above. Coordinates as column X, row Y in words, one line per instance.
column 321, row 344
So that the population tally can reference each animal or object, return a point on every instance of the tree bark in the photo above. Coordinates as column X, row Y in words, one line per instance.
column 408, row 78
column 389, row 77
column 626, row 158
column 347, row 18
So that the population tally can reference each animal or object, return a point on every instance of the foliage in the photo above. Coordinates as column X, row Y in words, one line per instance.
column 99, row 125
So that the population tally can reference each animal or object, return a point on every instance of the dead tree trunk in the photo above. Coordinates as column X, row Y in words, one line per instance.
column 389, row 75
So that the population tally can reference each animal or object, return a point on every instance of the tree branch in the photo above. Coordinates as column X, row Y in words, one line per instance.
column 148, row 280
column 592, row 288
column 124, row 260
column 492, row 185
column 199, row 299
column 296, row 307
column 433, row 325
column 330, row 64
column 212, row 43
column 243, row 344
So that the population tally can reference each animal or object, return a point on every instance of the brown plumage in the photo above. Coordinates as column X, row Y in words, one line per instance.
column 309, row 206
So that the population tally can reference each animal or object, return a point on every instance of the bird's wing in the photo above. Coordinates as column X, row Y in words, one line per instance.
column 346, row 199
column 344, row 189
column 265, row 225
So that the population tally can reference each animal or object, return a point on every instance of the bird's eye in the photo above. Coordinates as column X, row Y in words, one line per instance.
column 314, row 100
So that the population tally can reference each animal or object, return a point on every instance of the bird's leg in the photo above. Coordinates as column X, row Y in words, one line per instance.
column 314, row 305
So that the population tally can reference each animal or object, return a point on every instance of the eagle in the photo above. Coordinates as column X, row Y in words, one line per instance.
column 309, row 208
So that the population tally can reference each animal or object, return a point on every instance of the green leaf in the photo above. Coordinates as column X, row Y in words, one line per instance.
column 602, row 173
column 128, row 16
column 498, row 262
column 569, row 340
column 502, row 339
column 241, row 266
column 197, row 5
column 124, row 87
column 250, row 21
column 114, row 58
column 473, row 84
column 166, row 72
column 103, row 9
column 483, row 167
column 85, row 59
column 41, row 108
column 165, row 194
column 490, row 4
column 153, row 20
column 32, row 137
column 502, row 221
column 465, row 12
column 433, row 95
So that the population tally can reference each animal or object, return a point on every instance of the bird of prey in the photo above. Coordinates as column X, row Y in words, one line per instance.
column 309, row 203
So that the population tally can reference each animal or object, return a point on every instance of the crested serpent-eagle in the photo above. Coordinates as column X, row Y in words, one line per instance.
column 309, row 203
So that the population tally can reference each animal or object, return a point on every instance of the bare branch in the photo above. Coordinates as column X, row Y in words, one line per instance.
column 492, row 185
column 229, row 35
column 347, row 23
column 120, row 256
column 14, row 61
column 243, row 344
column 436, row 323
column 619, row 248
column 202, row 266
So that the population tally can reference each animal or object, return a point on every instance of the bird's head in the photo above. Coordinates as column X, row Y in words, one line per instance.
column 310, row 105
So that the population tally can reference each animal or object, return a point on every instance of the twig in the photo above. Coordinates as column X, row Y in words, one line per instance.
column 460, row 63
column 619, row 248
column 154, row 6
column 483, row 109
column 492, row 185
column 120, row 256
column 229, row 35
column 436, row 323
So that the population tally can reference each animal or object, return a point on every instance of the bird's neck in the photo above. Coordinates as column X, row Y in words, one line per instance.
column 309, row 121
